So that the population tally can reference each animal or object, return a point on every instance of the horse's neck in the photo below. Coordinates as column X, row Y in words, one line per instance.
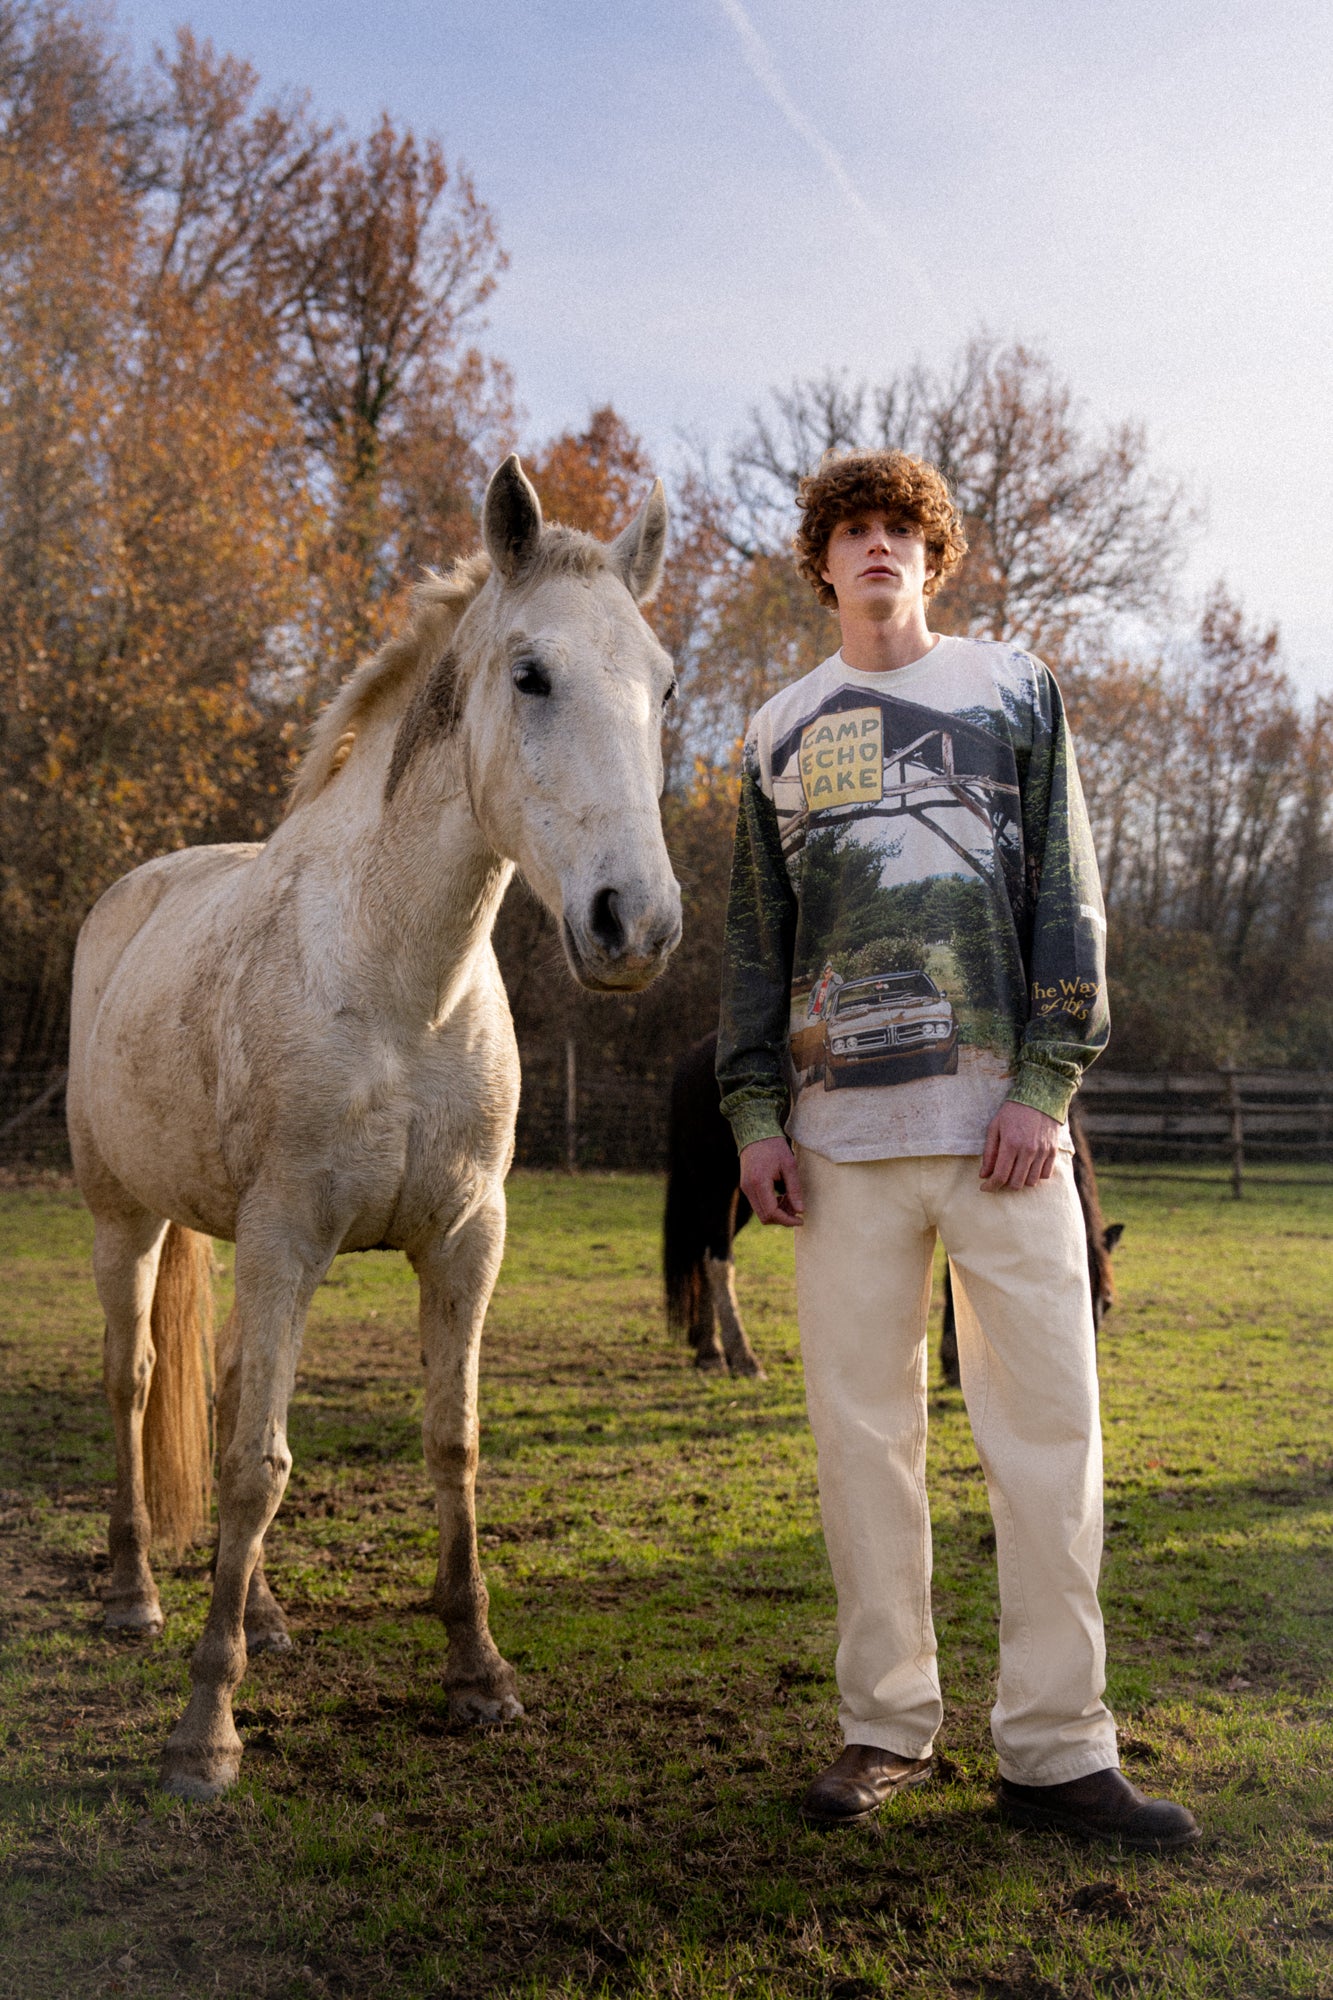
column 431, row 891
column 413, row 891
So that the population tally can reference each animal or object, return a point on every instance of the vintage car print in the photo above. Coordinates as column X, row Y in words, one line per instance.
column 890, row 1027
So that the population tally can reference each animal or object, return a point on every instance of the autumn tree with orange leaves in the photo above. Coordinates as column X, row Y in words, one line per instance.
column 240, row 405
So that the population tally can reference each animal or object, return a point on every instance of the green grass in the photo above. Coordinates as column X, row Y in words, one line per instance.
column 652, row 1544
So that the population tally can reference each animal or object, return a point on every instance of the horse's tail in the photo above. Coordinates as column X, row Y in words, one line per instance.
column 177, row 1436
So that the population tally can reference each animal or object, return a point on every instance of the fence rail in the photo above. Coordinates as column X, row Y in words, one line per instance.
column 567, row 1118
column 572, row 1117
column 32, row 1118
column 1240, row 1116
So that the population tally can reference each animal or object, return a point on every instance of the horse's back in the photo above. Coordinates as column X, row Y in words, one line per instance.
column 121, row 912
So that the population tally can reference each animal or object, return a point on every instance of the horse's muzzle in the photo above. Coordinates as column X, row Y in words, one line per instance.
column 622, row 943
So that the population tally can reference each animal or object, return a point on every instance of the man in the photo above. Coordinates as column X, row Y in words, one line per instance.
column 914, row 954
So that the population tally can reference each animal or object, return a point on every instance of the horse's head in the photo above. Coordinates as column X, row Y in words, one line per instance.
column 560, row 699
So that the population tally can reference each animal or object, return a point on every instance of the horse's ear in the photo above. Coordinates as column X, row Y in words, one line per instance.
column 511, row 519
column 1111, row 1235
column 638, row 553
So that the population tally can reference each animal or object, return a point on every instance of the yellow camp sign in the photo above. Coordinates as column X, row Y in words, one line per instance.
column 842, row 759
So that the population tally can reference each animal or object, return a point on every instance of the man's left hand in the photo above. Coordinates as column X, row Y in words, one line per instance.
column 1021, row 1146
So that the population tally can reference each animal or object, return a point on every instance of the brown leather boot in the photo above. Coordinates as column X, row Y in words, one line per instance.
column 1102, row 1806
column 858, row 1784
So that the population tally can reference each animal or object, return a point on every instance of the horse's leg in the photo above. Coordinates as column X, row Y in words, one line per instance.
column 741, row 1357
column 274, row 1284
column 708, row 1353
column 265, row 1623
column 715, row 1198
column 126, row 1251
column 457, row 1273
column 949, row 1335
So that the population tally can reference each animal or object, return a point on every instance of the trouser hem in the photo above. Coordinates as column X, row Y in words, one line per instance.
column 1064, row 1769
column 885, row 1736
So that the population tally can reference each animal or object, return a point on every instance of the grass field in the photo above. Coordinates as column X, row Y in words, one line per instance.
column 652, row 1544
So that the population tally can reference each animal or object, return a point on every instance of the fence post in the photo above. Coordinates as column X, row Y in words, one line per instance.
column 1237, row 1133
column 571, row 1108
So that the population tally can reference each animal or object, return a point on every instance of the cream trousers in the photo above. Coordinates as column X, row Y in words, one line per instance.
column 1027, row 1356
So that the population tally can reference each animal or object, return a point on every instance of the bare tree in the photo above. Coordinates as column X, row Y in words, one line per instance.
column 1065, row 524
column 1209, row 791
column 237, row 401
column 1240, row 798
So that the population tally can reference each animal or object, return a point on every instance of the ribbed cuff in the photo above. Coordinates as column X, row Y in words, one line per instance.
column 760, row 1118
column 1044, row 1089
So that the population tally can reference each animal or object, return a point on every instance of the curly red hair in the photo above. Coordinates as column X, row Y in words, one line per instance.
column 906, row 491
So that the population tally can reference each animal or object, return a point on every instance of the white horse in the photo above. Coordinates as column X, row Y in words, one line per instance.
column 305, row 1046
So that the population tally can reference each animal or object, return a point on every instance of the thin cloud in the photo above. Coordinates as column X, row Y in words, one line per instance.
column 764, row 70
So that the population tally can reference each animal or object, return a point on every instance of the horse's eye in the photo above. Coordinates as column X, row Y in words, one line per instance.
column 671, row 694
column 529, row 677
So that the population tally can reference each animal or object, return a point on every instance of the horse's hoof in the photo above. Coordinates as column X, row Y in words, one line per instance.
column 190, row 1774
column 749, row 1364
column 137, row 1619
column 711, row 1364
column 270, row 1637
column 475, row 1708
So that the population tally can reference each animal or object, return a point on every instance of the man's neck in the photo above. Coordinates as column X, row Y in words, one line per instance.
column 881, row 646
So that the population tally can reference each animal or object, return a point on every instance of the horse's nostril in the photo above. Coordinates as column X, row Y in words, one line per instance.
column 605, row 923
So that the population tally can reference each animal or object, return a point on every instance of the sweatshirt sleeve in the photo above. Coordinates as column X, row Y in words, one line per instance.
column 756, row 969
column 1068, row 1019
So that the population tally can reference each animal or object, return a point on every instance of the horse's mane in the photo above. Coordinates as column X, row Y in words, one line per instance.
column 437, row 606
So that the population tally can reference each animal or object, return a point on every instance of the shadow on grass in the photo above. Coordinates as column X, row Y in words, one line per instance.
column 52, row 1439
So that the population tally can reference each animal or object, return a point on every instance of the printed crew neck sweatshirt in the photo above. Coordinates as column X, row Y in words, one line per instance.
column 915, row 928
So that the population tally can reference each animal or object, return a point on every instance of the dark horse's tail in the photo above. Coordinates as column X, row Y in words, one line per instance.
column 704, row 1205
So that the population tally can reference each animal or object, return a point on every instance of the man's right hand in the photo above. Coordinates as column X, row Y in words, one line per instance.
column 771, row 1182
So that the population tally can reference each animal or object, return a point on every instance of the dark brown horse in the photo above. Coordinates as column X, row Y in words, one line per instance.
column 705, row 1208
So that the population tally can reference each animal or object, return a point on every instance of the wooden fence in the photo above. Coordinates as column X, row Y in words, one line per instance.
column 32, row 1118
column 571, row 1116
column 1238, row 1116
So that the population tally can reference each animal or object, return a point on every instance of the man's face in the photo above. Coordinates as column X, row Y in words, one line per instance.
column 875, row 568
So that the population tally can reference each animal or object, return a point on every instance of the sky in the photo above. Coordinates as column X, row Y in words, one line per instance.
column 702, row 199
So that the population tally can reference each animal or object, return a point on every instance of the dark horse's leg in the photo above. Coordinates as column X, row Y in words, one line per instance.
column 691, row 1221
column 949, row 1335
column 721, row 1270
column 704, row 1209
